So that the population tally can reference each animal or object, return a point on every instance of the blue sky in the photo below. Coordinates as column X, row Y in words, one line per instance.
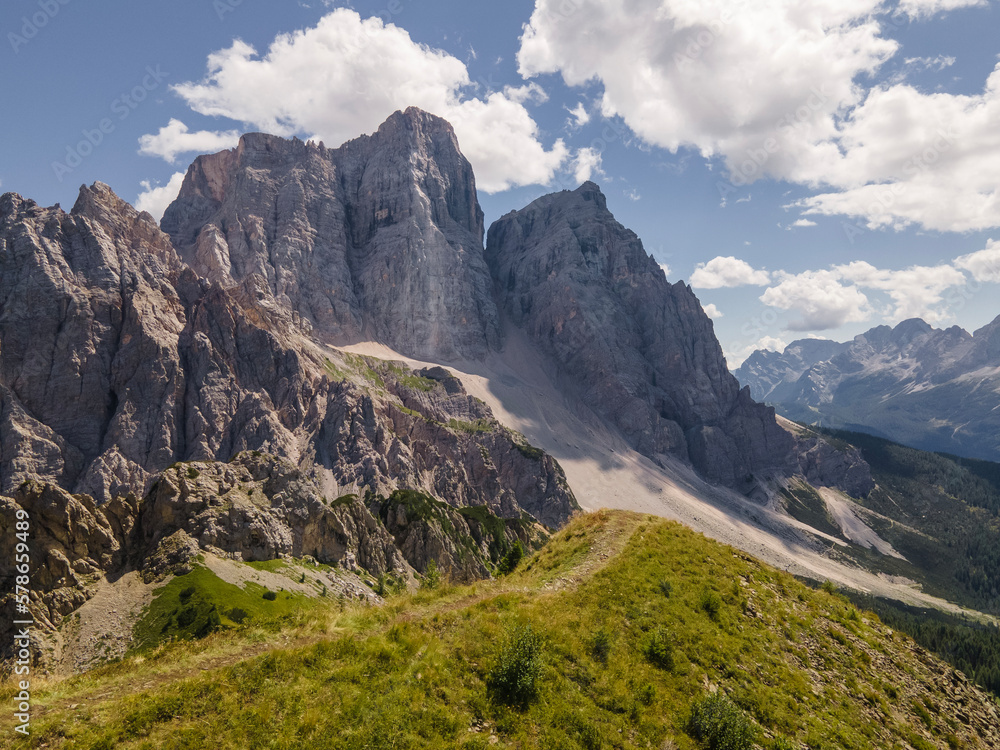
column 812, row 168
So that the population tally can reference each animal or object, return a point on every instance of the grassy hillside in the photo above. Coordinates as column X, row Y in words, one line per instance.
column 624, row 631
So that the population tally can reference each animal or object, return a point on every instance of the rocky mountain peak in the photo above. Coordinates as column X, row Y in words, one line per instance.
column 638, row 348
column 379, row 239
column 922, row 386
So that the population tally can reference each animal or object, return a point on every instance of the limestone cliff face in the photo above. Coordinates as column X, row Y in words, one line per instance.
column 91, row 382
column 380, row 238
column 637, row 348
column 116, row 360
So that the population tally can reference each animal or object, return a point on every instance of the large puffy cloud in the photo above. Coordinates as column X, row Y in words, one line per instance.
column 347, row 74
column 718, row 76
column 586, row 164
column 915, row 158
column 819, row 299
column 916, row 291
column 829, row 298
column 778, row 90
column 727, row 271
column 735, row 356
column 712, row 311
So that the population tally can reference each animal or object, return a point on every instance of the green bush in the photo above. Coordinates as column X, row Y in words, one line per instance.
column 600, row 646
column 647, row 694
column 719, row 724
column 666, row 588
column 270, row 596
column 711, row 604
column 659, row 649
column 187, row 593
column 512, row 559
column 432, row 576
column 390, row 584
column 513, row 678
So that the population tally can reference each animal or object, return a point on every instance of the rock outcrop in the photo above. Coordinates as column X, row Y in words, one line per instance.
column 118, row 360
column 637, row 348
column 828, row 463
column 256, row 507
column 925, row 387
column 378, row 239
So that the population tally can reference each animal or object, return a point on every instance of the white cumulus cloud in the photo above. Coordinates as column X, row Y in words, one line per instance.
column 346, row 75
column 776, row 89
column 984, row 265
column 156, row 199
column 175, row 138
column 712, row 311
column 819, row 299
column 580, row 115
column 829, row 298
column 925, row 8
column 586, row 163
column 917, row 292
column 915, row 158
column 736, row 356
column 727, row 271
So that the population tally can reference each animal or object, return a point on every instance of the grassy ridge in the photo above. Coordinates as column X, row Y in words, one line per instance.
column 635, row 633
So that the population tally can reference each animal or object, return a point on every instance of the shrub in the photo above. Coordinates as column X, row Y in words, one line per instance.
column 647, row 694
column 659, row 649
column 829, row 587
column 600, row 646
column 270, row 596
column 719, row 723
column 513, row 678
column 238, row 615
column 666, row 588
column 187, row 593
column 390, row 584
column 432, row 576
column 712, row 604
column 512, row 559
column 187, row 616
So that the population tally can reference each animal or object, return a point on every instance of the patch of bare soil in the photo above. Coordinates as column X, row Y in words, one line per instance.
column 101, row 629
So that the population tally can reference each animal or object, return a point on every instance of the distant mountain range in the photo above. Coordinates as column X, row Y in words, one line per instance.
column 933, row 389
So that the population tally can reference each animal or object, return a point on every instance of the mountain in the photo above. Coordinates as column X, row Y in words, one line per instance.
column 378, row 239
column 316, row 359
column 625, row 631
column 624, row 339
column 382, row 240
column 938, row 390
